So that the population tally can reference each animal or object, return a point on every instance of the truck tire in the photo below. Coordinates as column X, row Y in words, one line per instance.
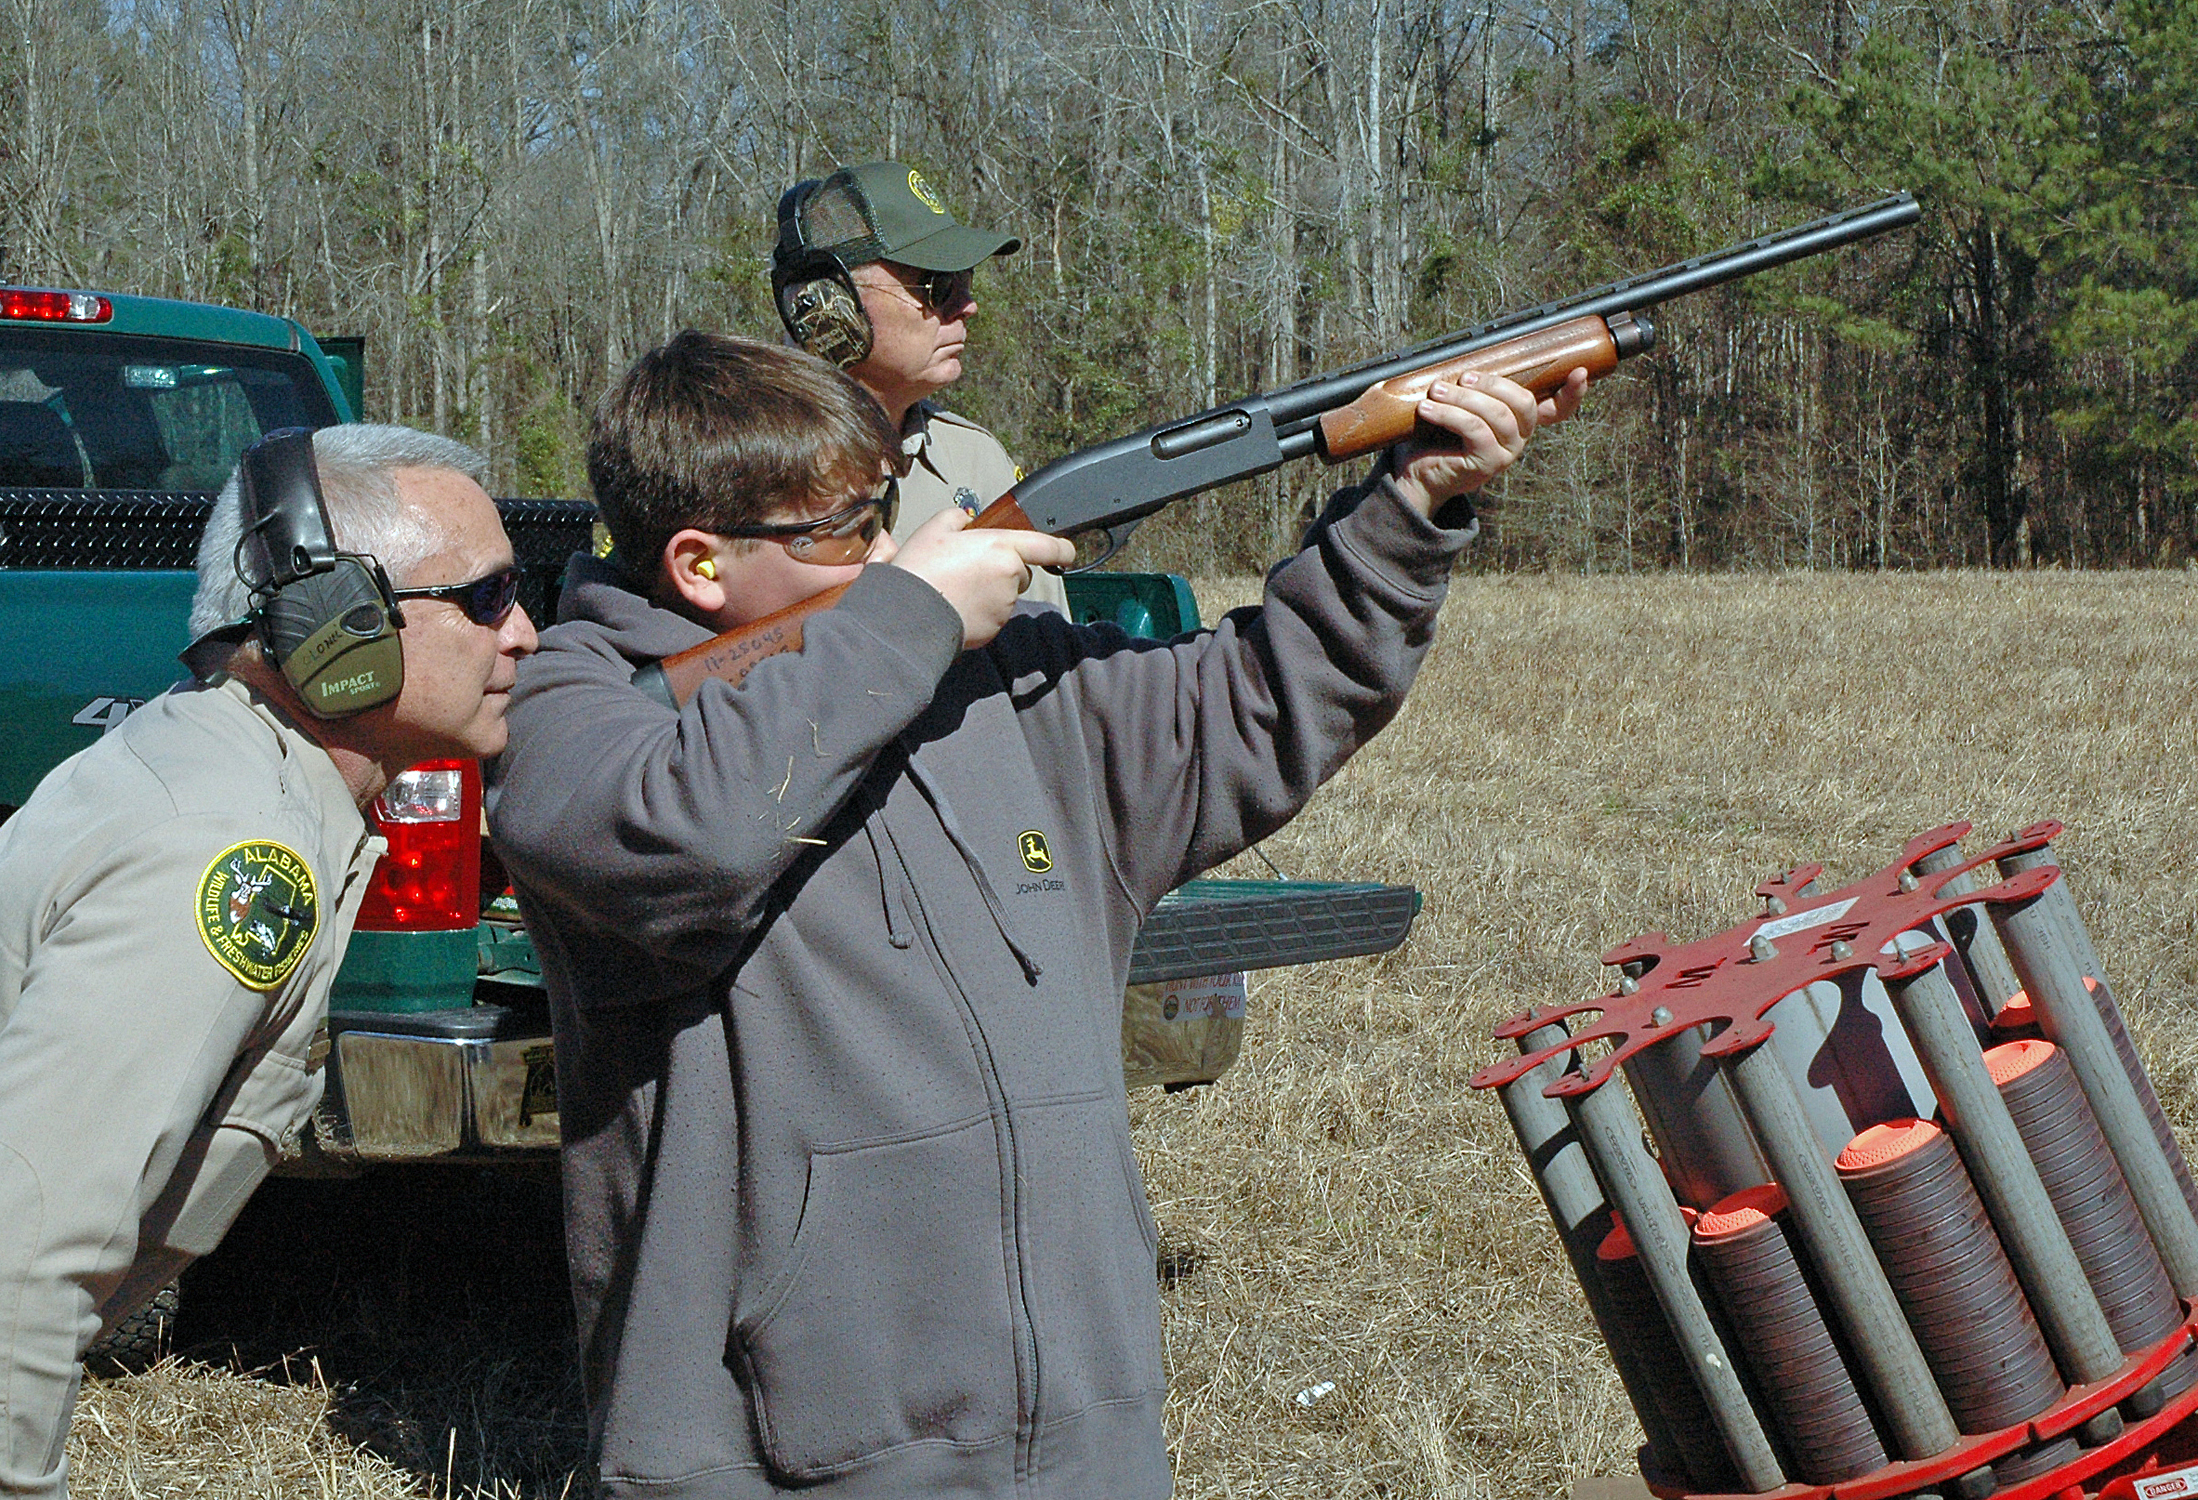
column 135, row 1344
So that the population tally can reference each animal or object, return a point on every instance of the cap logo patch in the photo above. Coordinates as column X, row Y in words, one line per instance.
column 924, row 195
column 1037, row 858
column 257, row 911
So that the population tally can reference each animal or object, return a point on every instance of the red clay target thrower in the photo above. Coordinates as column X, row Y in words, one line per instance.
column 1914, row 1223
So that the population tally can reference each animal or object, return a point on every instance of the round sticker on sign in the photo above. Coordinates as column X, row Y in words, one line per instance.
column 1182, row 1031
column 257, row 911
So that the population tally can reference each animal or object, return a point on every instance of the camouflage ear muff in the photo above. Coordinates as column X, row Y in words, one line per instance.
column 817, row 300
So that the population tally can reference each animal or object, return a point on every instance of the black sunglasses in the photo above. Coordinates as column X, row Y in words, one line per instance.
column 845, row 536
column 486, row 601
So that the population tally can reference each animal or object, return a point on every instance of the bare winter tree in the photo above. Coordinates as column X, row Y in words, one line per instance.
column 509, row 198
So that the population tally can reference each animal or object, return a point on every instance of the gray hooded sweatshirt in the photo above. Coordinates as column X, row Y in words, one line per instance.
column 835, row 961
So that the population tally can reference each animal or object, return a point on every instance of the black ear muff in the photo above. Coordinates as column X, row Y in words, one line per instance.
column 817, row 300
column 327, row 619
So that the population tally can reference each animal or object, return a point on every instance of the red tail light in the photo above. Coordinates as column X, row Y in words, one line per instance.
column 430, row 880
column 54, row 307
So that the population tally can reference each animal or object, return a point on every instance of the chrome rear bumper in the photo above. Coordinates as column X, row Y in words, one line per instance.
column 455, row 1086
column 479, row 1084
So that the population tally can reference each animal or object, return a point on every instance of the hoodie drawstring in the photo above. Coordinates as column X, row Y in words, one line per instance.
column 896, row 932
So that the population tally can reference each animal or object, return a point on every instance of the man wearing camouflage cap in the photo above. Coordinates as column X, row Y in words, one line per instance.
column 872, row 273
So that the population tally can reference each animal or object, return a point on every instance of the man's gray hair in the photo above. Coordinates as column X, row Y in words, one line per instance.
column 358, row 466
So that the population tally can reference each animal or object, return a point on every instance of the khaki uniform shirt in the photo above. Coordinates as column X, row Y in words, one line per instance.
column 953, row 461
column 174, row 903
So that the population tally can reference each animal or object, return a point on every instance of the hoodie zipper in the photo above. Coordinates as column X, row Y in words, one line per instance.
column 1026, row 1343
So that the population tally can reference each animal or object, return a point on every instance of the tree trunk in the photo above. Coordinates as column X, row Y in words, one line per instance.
column 1993, row 468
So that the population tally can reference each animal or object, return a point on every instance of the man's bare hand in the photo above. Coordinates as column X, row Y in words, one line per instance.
column 1480, row 427
column 980, row 573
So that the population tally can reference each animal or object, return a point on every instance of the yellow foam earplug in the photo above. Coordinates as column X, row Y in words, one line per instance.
column 707, row 569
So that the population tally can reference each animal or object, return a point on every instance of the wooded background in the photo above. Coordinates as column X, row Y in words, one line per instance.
column 511, row 198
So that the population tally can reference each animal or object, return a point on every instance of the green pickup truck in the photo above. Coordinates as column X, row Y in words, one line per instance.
column 119, row 416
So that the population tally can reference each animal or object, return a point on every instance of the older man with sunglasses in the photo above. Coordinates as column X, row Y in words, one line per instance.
column 872, row 273
column 175, row 901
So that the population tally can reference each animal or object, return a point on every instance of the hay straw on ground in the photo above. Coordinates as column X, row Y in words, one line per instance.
column 192, row 1430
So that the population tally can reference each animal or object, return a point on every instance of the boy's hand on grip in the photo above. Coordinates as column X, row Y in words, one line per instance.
column 980, row 572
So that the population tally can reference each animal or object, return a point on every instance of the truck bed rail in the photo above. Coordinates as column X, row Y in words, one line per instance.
column 1215, row 926
column 157, row 530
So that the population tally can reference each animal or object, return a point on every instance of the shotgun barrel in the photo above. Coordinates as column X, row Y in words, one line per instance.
column 1354, row 411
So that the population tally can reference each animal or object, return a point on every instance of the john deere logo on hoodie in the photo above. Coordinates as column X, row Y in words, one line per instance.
column 1037, row 858
column 256, row 911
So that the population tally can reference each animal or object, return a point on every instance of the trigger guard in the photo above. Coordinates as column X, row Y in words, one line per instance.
column 1116, row 541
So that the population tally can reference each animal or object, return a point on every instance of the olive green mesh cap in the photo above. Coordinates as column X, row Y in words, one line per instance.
column 883, row 210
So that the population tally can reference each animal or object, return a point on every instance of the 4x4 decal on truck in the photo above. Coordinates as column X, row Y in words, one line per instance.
column 106, row 714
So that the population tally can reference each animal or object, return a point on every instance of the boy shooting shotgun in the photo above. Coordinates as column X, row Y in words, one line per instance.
column 835, row 959
column 1109, row 488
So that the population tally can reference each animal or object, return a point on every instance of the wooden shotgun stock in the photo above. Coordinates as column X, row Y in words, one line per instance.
column 732, row 656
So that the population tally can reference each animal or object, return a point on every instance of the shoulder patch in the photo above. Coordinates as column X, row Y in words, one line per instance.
column 257, row 911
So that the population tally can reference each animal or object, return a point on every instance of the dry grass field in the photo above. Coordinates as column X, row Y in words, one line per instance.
column 1584, row 759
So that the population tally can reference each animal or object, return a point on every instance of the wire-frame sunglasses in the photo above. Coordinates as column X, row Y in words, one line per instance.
column 845, row 536
column 486, row 601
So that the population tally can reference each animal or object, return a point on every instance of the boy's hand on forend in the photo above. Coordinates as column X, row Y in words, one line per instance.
column 1472, row 431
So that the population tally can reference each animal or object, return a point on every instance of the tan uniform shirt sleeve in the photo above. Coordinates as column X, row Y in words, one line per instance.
column 119, row 1040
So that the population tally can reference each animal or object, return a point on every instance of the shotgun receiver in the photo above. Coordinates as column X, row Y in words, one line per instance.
column 1109, row 488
